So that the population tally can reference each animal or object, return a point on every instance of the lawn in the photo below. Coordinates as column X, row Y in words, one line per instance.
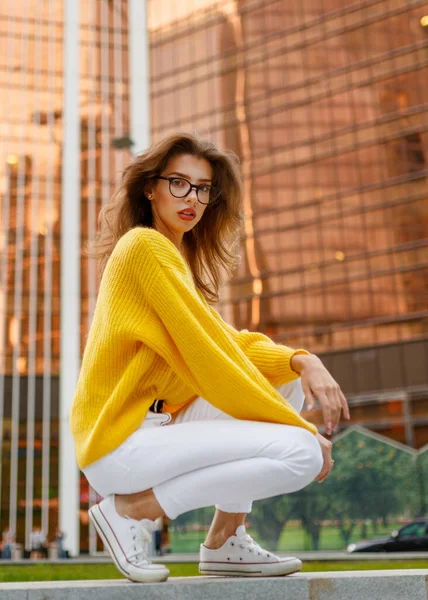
column 44, row 572
column 293, row 539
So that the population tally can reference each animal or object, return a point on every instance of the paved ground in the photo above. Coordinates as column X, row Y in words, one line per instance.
column 349, row 585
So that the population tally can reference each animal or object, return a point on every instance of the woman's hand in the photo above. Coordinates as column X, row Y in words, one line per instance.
column 317, row 383
column 326, row 447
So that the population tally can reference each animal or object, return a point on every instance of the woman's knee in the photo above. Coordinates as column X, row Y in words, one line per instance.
column 315, row 459
column 305, row 456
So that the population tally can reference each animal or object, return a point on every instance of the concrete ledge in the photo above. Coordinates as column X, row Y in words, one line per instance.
column 347, row 585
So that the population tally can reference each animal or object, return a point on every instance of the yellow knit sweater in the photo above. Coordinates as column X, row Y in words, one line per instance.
column 154, row 335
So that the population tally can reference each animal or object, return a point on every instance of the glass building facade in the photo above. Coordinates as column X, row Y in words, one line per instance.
column 31, row 149
column 325, row 103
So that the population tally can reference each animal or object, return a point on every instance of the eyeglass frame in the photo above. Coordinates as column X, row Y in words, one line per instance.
column 192, row 185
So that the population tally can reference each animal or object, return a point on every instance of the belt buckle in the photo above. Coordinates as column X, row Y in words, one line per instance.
column 158, row 406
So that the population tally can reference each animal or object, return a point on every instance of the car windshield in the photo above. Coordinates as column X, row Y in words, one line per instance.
column 415, row 529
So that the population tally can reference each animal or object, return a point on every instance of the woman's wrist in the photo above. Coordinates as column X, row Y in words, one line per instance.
column 299, row 361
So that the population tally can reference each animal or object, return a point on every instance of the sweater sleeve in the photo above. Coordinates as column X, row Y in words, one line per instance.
column 196, row 345
column 271, row 359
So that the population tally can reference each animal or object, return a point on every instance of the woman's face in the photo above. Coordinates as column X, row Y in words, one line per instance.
column 166, row 207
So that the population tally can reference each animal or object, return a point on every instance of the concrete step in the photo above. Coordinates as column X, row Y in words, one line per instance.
column 347, row 585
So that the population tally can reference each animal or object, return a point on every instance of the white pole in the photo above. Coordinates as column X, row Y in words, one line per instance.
column 139, row 93
column 139, row 83
column 118, row 43
column 93, row 34
column 69, row 488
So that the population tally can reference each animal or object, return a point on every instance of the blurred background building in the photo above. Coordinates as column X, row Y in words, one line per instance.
column 326, row 104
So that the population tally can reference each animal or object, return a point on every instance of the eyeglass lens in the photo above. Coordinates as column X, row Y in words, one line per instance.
column 180, row 188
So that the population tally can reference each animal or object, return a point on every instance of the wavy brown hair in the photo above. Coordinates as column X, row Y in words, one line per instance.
column 213, row 244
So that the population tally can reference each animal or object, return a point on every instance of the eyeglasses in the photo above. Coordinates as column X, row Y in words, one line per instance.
column 180, row 188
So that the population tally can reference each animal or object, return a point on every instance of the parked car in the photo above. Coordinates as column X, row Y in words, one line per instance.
column 412, row 538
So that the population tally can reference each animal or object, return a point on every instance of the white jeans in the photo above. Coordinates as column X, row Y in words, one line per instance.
column 204, row 457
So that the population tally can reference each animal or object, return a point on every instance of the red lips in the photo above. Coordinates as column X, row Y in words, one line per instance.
column 188, row 210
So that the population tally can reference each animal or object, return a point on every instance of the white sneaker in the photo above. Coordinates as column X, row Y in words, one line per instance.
column 127, row 540
column 242, row 556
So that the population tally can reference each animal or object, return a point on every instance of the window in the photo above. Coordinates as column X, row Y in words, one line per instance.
column 413, row 530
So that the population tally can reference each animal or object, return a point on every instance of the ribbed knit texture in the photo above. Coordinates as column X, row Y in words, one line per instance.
column 154, row 335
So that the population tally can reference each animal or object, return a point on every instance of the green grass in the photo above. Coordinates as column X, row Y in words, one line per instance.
column 43, row 572
column 293, row 539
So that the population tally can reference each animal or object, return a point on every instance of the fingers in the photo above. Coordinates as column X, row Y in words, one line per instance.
column 310, row 399
column 344, row 404
column 318, row 384
column 326, row 470
column 330, row 409
column 338, row 405
column 326, row 449
column 324, row 475
column 326, row 410
column 331, row 402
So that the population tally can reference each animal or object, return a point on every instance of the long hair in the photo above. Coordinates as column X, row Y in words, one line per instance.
column 213, row 244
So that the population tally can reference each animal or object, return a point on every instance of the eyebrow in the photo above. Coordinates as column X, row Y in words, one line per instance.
column 187, row 176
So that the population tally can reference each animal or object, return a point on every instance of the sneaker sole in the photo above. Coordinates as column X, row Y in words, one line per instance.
column 97, row 519
column 267, row 570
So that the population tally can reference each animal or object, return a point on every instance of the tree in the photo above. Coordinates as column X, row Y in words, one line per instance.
column 422, row 479
column 312, row 506
column 269, row 518
column 372, row 479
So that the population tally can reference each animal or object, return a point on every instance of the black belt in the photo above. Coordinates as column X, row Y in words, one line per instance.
column 157, row 406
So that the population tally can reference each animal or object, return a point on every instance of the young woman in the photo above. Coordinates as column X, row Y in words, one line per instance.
column 175, row 409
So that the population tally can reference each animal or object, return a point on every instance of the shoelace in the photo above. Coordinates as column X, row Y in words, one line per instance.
column 142, row 536
column 247, row 542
